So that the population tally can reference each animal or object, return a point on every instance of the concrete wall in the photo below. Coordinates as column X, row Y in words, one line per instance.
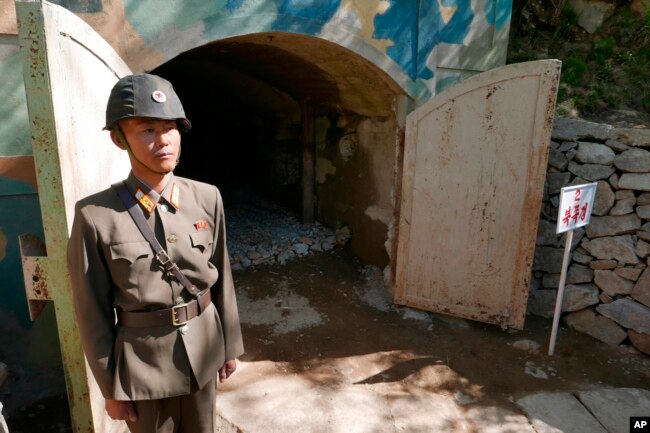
column 409, row 40
column 355, row 175
column 419, row 47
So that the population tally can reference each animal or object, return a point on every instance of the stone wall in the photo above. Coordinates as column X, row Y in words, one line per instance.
column 607, row 289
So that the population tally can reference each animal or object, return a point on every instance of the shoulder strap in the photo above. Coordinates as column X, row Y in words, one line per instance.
column 161, row 255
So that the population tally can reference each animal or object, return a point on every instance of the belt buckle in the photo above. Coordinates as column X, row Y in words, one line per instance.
column 163, row 258
column 175, row 309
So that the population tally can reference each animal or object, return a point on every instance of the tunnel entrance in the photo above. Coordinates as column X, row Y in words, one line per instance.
column 258, row 103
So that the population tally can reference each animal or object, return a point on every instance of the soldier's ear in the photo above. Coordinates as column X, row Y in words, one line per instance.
column 118, row 138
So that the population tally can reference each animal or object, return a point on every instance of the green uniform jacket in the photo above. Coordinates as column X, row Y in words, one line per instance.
column 112, row 266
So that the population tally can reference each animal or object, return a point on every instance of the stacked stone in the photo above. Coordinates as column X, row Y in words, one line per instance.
column 607, row 291
column 265, row 233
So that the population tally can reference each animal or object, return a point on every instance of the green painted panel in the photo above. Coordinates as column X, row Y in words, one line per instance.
column 9, row 187
column 19, row 214
column 14, row 127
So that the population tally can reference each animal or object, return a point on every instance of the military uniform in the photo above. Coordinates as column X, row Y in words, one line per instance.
column 113, row 270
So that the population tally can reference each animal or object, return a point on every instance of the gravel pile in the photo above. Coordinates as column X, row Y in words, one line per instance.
column 260, row 231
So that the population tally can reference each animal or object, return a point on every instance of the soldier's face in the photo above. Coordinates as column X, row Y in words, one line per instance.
column 154, row 142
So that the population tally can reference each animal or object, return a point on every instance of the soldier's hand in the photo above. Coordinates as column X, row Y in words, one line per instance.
column 227, row 369
column 120, row 409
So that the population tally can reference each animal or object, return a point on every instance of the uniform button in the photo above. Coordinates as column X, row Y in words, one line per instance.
column 163, row 207
column 183, row 329
column 172, row 238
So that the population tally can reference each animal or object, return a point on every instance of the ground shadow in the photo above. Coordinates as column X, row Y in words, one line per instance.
column 317, row 310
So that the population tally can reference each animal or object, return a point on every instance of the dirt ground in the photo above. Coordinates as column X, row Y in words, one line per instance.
column 308, row 314
column 355, row 318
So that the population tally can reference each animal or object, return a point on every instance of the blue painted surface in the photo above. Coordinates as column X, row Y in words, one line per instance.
column 9, row 187
column 417, row 32
column 399, row 24
column 149, row 19
column 452, row 32
column 319, row 10
column 447, row 82
column 409, row 30
column 455, row 31
column 19, row 214
column 304, row 16
column 232, row 5
column 498, row 13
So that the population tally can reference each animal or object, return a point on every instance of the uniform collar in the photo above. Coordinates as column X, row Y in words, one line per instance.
column 148, row 198
column 171, row 194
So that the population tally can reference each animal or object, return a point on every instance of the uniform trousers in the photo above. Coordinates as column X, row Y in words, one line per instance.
column 190, row 413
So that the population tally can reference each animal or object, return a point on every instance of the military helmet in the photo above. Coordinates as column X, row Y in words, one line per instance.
column 144, row 95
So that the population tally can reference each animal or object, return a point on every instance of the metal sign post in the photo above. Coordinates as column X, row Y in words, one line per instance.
column 576, row 204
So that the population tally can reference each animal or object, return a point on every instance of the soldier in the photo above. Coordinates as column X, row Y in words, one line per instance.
column 152, row 286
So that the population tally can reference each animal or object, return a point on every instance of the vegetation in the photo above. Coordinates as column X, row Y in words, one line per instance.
column 603, row 71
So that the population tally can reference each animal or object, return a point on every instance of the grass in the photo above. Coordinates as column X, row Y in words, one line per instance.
column 609, row 69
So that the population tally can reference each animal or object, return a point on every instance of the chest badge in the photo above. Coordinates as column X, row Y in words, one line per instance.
column 201, row 225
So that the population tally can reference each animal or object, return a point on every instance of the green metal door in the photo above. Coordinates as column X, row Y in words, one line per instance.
column 474, row 167
column 68, row 73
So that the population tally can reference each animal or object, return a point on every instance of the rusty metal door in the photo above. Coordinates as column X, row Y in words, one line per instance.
column 474, row 167
column 68, row 73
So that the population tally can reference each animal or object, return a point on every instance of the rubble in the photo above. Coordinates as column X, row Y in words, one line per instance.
column 263, row 232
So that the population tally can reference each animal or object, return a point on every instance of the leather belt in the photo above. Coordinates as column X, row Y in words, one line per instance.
column 177, row 315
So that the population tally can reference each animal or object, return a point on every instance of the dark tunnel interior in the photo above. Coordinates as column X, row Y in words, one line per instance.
column 245, row 98
column 251, row 100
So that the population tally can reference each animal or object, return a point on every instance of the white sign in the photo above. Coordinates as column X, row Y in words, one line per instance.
column 576, row 204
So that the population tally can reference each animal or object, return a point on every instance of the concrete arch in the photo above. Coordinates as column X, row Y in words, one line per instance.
column 340, row 33
column 180, row 28
column 297, row 67
column 246, row 98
